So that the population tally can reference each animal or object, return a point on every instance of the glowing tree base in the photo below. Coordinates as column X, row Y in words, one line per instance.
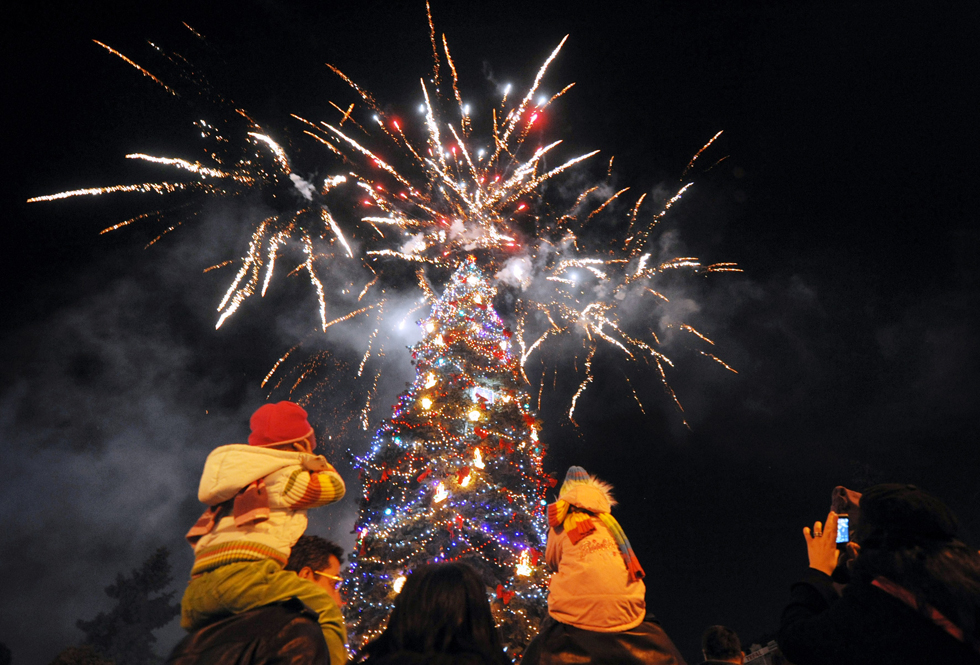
column 455, row 474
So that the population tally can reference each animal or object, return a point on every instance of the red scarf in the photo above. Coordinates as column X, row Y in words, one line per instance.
column 901, row 593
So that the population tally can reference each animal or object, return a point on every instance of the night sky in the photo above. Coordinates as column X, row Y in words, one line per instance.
column 848, row 197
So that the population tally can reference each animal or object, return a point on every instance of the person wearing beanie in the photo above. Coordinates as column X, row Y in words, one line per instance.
column 913, row 595
column 596, row 601
column 257, row 497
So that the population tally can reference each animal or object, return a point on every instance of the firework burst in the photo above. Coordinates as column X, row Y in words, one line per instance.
column 431, row 197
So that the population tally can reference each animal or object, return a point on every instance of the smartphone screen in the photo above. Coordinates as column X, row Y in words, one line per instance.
column 843, row 529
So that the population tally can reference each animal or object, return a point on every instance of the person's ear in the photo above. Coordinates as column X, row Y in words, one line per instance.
column 306, row 573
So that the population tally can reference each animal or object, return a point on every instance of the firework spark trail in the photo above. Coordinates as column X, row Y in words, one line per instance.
column 432, row 38
column 516, row 116
column 641, row 237
column 691, row 330
column 276, row 366
column 336, row 231
column 605, row 203
column 351, row 315
column 272, row 252
column 325, row 142
column 193, row 167
column 217, row 266
column 583, row 386
column 165, row 232
column 143, row 71
column 635, row 396
column 138, row 218
column 698, row 154
column 450, row 202
column 367, row 287
column 155, row 187
column 723, row 267
column 719, row 361
column 464, row 116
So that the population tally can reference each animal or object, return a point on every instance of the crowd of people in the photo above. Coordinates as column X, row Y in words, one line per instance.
column 900, row 588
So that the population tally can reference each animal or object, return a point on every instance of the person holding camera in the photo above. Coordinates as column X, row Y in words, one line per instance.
column 913, row 594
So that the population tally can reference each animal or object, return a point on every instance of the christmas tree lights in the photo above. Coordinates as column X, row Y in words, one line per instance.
column 455, row 473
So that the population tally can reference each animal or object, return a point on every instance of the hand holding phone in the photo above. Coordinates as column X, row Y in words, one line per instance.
column 822, row 550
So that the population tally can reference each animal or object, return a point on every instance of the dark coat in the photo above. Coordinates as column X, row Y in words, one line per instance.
column 864, row 626
column 281, row 634
column 558, row 643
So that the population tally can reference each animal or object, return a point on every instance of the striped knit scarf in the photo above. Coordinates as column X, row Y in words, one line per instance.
column 577, row 525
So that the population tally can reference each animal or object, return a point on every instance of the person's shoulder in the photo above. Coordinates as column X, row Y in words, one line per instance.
column 287, row 625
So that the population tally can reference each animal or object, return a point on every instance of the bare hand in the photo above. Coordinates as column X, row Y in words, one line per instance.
column 821, row 544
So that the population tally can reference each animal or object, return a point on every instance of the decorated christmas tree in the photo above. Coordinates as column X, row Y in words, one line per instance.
column 455, row 474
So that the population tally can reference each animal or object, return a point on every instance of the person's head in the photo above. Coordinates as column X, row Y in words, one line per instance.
column 282, row 426
column 586, row 492
column 721, row 643
column 894, row 516
column 318, row 560
column 442, row 609
column 909, row 537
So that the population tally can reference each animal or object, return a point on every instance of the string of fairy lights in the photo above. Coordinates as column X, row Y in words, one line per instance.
column 456, row 472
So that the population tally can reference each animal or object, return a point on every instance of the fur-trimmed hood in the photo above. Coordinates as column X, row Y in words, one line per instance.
column 586, row 491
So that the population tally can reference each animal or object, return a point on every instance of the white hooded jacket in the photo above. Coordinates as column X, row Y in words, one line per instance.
column 590, row 588
column 273, row 488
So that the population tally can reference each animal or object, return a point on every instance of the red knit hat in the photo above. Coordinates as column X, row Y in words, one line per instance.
column 277, row 424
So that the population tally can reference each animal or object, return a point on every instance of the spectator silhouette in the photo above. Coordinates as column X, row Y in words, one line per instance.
column 257, row 497
column 442, row 616
column 282, row 632
column 913, row 595
column 596, row 606
column 720, row 645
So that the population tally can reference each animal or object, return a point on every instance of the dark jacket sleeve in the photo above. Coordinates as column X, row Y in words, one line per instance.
column 807, row 633
column 299, row 641
column 281, row 634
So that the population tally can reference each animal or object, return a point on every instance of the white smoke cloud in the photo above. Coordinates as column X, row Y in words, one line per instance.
column 415, row 243
column 516, row 272
column 305, row 188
